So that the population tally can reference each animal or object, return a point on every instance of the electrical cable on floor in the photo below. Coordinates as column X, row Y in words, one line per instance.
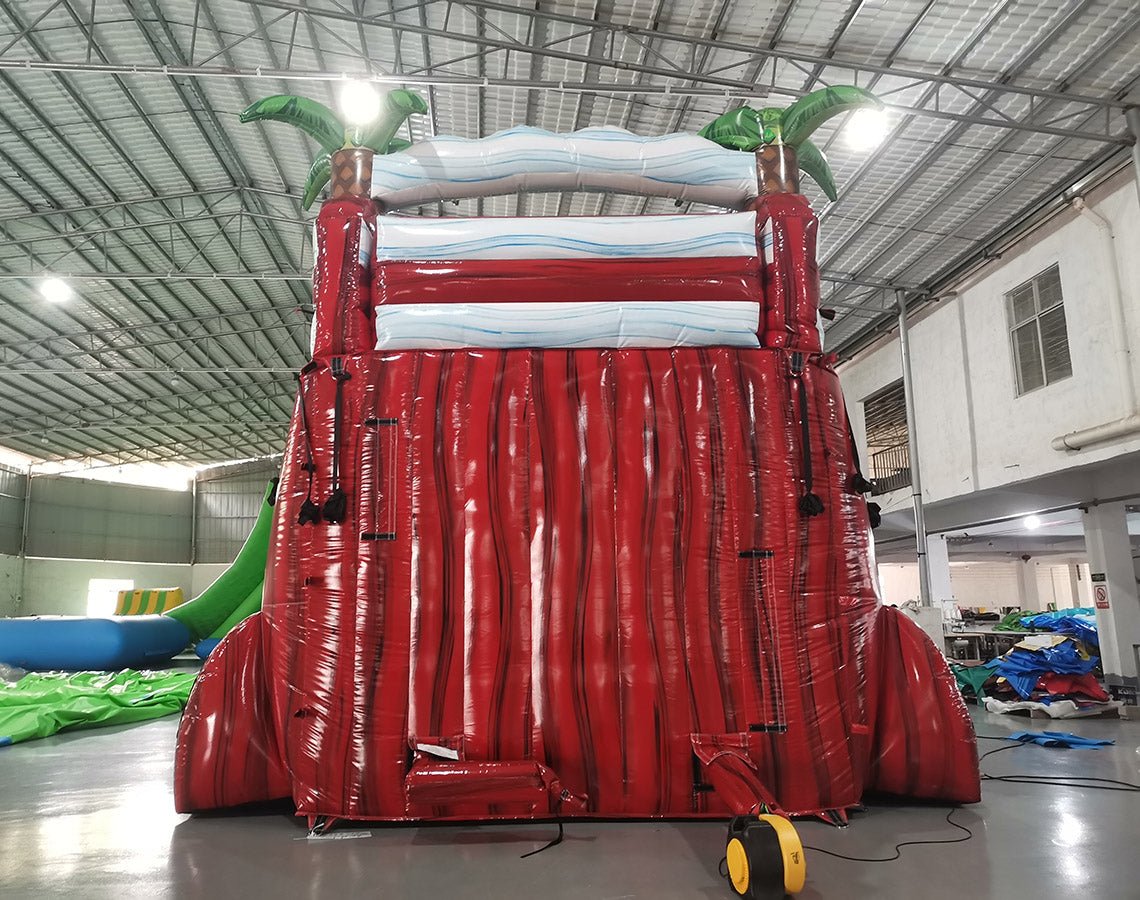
column 1073, row 781
column 898, row 847
column 553, row 843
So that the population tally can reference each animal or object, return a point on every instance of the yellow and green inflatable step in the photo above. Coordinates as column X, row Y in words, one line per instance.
column 148, row 602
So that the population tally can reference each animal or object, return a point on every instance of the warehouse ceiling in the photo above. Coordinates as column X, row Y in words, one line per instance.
column 123, row 167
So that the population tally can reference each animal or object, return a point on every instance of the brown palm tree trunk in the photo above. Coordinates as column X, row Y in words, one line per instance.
column 777, row 170
column 352, row 172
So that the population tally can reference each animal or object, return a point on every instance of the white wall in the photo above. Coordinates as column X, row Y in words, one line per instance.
column 898, row 583
column 974, row 432
column 985, row 585
column 989, row 585
column 203, row 575
column 59, row 586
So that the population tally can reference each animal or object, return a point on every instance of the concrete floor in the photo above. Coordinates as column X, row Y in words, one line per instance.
column 89, row 815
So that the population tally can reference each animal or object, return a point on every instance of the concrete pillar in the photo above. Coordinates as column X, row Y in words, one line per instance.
column 938, row 559
column 1113, row 583
column 1027, row 593
column 1075, row 583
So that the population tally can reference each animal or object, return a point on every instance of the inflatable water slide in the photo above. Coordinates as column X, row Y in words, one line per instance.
column 570, row 521
column 78, row 643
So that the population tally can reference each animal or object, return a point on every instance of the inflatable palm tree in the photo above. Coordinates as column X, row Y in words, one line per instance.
column 779, row 137
column 339, row 140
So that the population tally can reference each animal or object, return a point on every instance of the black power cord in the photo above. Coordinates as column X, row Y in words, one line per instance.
column 1086, row 782
column 551, row 843
column 898, row 847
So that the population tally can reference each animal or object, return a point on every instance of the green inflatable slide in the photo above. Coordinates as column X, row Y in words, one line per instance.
column 236, row 594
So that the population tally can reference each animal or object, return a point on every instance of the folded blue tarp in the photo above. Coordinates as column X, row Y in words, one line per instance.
column 1061, row 739
column 1079, row 623
column 1021, row 667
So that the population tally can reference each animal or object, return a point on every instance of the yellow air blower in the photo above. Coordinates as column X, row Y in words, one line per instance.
column 765, row 858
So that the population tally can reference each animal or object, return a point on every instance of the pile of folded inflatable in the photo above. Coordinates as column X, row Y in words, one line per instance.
column 1051, row 674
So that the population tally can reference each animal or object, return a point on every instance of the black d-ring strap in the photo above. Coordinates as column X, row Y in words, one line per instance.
column 859, row 483
column 310, row 513
column 336, row 506
column 810, row 503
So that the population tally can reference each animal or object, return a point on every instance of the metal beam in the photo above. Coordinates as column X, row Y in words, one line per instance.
column 277, row 393
column 716, row 42
column 727, row 89
column 122, row 371
column 275, row 275
column 899, row 189
column 129, row 423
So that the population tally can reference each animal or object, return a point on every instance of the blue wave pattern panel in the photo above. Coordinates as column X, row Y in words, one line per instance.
column 450, row 326
column 566, row 237
column 679, row 166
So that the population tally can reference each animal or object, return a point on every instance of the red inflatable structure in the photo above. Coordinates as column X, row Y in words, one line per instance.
column 584, row 580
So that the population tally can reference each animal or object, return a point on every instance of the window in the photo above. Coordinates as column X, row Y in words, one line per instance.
column 887, row 438
column 1037, row 331
column 103, row 594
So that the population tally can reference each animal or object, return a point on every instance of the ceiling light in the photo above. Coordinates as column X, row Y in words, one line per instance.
column 55, row 290
column 866, row 129
column 360, row 102
column 1032, row 523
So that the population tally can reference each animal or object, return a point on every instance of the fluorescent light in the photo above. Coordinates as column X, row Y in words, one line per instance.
column 1032, row 523
column 360, row 102
column 866, row 129
column 55, row 290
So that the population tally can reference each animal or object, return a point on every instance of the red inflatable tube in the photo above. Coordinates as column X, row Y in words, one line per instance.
column 345, row 238
column 786, row 230
column 588, row 563
column 567, row 280
column 227, row 753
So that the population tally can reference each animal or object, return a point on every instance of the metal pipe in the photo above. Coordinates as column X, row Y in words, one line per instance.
column 912, row 449
column 1098, row 434
column 1132, row 118
column 1129, row 423
column 1115, row 303
column 24, row 537
column 194, row 519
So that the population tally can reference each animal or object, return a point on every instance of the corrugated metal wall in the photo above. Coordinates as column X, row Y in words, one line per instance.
column 78, row 519
column 13, row 489
column 228, row 504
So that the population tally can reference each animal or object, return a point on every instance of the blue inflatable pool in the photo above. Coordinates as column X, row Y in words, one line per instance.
column 76, row 643
column 206, row 646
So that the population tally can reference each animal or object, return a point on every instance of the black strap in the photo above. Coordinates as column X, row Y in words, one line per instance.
column 310, row 513
column 336, row 506
column 810, row 504
column 859, row 483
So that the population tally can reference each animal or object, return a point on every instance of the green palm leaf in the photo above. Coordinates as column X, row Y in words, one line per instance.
column 319, row 174
column 814, row 164
column 313, row 118
column 804, row 116
column 739, row 129
column 399, row 105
